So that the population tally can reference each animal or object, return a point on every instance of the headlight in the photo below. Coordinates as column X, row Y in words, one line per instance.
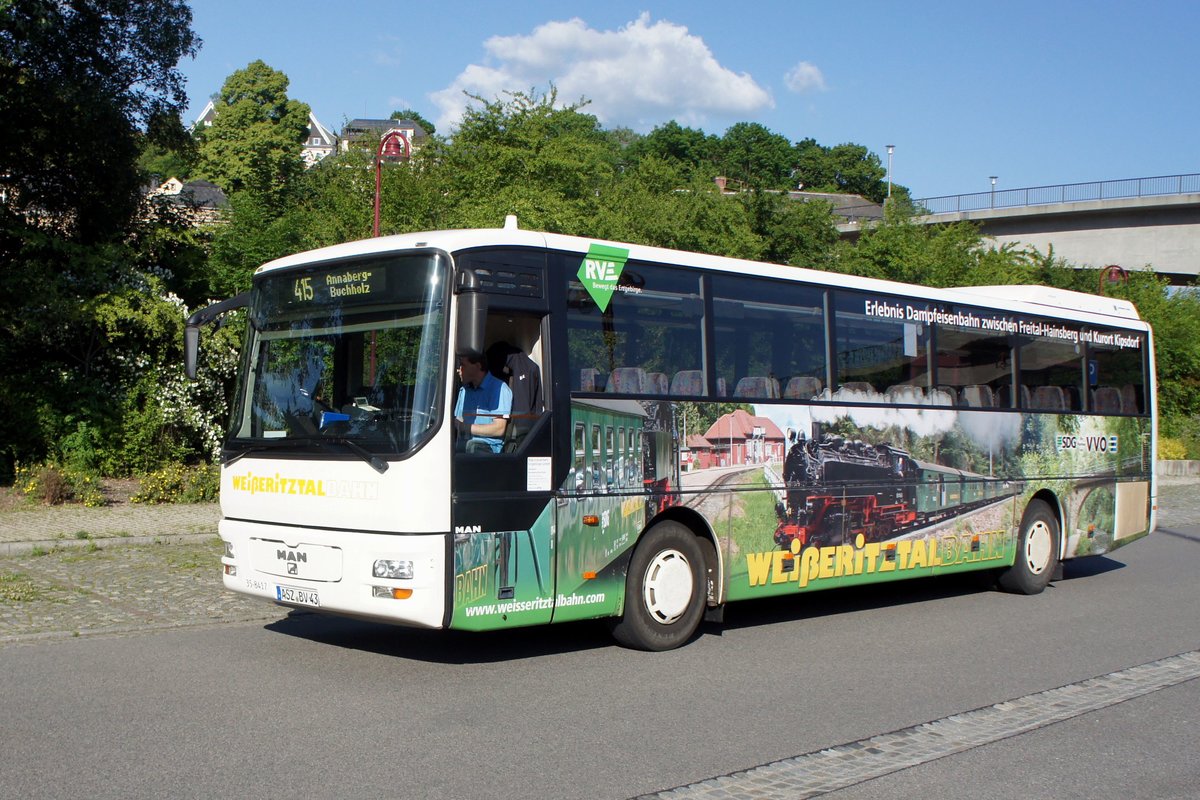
column 229, row 549
column 390, row 568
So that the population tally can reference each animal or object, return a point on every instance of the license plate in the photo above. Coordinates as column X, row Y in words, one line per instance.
column 302, row 597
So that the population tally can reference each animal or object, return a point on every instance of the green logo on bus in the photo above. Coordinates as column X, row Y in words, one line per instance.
column 600, row 271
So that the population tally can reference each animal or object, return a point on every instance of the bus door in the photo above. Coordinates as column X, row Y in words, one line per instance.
column 503, row 504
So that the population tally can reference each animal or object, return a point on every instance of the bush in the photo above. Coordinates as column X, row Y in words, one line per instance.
column 179, row 484
column 1182, row 432
column 54, row 485
column 1171, row 449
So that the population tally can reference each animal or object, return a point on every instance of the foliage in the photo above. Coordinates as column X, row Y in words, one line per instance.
column 78, row 78
column 416, row 117
column 846, row 168
column 54, row 484
column 691, row 151
column 525, row 155
column 757, row 157
column 902, row 249
column 1171, row 449
column 177, row 484
column 254, row 142
column 84, row 87
column 17, row 587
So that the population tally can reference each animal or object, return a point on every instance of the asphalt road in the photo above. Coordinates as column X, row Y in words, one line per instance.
column 306, row 706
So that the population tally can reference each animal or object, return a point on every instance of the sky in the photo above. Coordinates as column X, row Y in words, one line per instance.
column 1034, row 92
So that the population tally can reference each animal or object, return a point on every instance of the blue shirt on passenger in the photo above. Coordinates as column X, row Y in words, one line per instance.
column 492, row 399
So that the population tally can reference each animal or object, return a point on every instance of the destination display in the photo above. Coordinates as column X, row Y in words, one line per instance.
column 343, row 286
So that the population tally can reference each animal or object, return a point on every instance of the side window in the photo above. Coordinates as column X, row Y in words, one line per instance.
column 1115, row 372
column 1051, row 374
column 880, row 354
column 769, row 338
column 622, row 477
column 597, row 456
column 647, row 336
column 579, row 468
column 975, row 366
column 632, row 462
column 610, row 457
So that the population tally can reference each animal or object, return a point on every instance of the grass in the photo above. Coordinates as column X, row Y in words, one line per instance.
column 17, row 588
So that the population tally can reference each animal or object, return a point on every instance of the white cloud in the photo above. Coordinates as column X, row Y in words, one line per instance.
column 805, row 77
column 639, row 76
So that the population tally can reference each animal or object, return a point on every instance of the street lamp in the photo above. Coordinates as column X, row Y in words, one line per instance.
column 992, row 178
column 393, row 145
column 891, row 148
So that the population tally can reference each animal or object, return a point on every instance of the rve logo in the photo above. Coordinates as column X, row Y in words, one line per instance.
column 600, row 270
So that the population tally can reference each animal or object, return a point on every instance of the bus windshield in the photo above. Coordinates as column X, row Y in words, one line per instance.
column 351, row 351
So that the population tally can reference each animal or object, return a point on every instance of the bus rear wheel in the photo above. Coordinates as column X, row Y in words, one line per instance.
column 664, row 590
column 1037, row 551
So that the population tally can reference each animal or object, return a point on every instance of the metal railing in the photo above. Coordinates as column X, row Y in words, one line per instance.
column 1063, row 193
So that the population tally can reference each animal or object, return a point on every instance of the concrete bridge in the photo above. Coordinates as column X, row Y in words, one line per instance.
column 1139, row 223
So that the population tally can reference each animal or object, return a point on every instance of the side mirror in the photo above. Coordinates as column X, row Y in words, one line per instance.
column 472, row 315
column 191, row 350
column 191, row 330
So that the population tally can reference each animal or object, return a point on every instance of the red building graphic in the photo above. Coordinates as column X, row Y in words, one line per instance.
column 742, row 438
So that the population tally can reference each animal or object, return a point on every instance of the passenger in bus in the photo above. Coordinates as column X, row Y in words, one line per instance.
column 483, row 407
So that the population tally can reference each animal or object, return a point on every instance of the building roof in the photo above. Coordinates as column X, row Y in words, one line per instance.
column 197, row 194
column 850, row 206
column 740, row 425
column 698, row 442
column 356, row 128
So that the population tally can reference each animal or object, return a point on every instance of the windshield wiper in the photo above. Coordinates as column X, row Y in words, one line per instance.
column 376, row 463
column 254, row 448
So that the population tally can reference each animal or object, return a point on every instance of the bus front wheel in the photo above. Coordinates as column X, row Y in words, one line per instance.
column 1037, row 551
column 664, row 590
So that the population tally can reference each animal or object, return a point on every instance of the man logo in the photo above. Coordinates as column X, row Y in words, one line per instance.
column 293, row 568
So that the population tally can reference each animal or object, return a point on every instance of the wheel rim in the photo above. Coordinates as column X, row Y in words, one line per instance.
column 668, row 587
column 1038, row 543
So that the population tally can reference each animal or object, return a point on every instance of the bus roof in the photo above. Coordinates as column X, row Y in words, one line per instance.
column 1030, row 299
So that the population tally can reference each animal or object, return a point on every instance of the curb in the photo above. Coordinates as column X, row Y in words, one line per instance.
column 48, row 545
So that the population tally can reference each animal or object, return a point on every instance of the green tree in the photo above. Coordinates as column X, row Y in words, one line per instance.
column 751, row 153
column 84, row 86
column 169, row 151
column 654, row 203
column 254, row 142
column 901, row 249
column 524, row 155
column 799, row 233
column 81, row 81
column 692, row 151
column 845, row 169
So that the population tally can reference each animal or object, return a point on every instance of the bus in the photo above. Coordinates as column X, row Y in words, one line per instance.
column 707, row 430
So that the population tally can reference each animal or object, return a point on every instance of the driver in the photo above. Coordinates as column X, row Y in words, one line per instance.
column 483, row 407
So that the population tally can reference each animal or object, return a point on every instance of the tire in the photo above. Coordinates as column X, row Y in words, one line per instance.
column 1037, row 551
column 664, row 590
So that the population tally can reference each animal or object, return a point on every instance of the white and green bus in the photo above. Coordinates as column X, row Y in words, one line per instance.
column 706, row 430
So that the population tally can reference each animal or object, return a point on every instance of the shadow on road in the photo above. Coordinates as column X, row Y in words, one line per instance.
column 444, row 647
column 459, row 647
column 1191, row 537
column 833, row 602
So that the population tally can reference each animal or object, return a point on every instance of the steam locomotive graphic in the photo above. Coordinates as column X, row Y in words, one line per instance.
column 837, row 488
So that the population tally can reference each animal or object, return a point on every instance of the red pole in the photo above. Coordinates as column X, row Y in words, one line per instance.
column 378, row 178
